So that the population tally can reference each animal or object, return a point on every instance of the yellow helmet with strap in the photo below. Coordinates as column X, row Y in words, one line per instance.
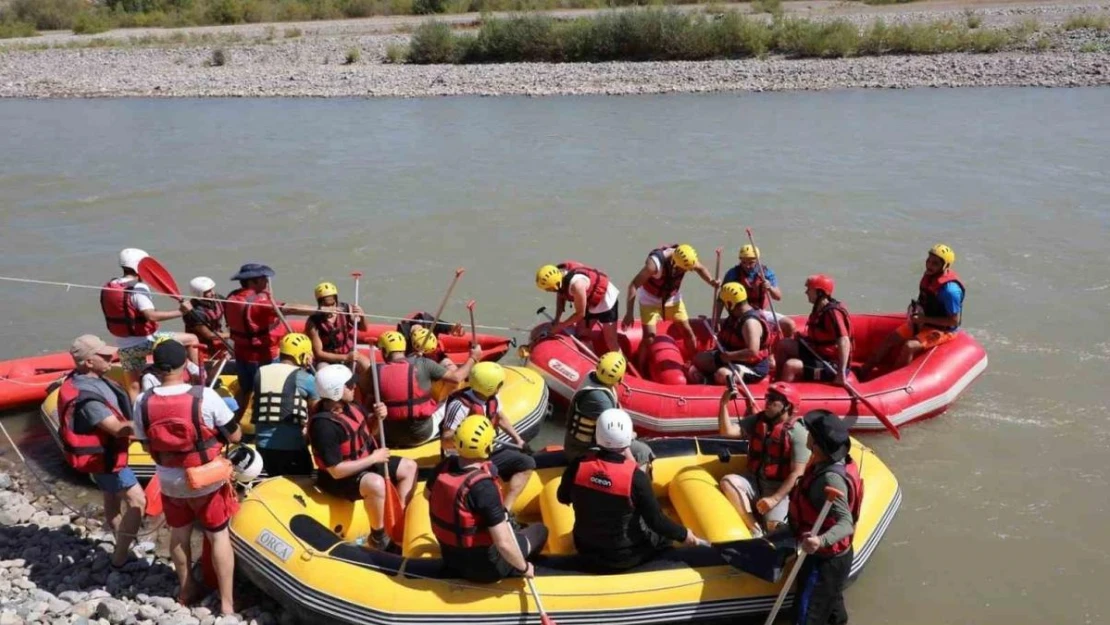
column 325, row 289
column 685, row 257
column 392, row 341
column 296, row 346
column 474, row 437
column 610, row 368
column 549, row 278
column 944, row 253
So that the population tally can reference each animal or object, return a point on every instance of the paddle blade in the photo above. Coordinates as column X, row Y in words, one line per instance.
column 394, row 513
column 153, row 492
column 764, row 558
column 157, row 276
column 546, row 620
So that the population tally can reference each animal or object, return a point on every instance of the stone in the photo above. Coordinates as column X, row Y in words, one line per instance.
column 113, row 610
column 8, row 617
column 228, row 619
column 5, row 481
column 208, row 620
column 86, row 609
column 164, row 604
column 73, row 596
column 58, row 606
column 149, row 612
column 201, row 612
column 23, row 583
column 100, row 594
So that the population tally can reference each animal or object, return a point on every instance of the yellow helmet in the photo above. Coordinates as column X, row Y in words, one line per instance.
column 749, row 252
column 474, row 437
column 685, row 257
column 325, row 289
column 392, row 341
column 296, row 346
column 486, row 378
column 733, row 293
column 944, row 253
column 423, row 341
column 549, row 278
column 610, row 369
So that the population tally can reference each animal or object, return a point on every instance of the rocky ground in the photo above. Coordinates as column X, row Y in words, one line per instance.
column 307, row 60
column 54, row 569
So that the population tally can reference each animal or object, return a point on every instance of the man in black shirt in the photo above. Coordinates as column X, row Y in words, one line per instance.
column 468, row 516
column 618, row 523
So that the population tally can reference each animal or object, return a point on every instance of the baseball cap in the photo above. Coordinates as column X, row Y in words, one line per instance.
column 86, row 345
column 169, row 355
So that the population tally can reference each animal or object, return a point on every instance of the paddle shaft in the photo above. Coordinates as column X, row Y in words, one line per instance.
column 473, row 328
column 277, row 309
column 797, row 566
column 736, row 374
column 377, row 400
column 716, row 290
column 853, row 392
column 763, row 276
column 357, row 275
column 544, row 618
column 446, row 296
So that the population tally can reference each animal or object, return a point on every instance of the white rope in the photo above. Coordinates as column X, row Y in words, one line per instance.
column 74, row 285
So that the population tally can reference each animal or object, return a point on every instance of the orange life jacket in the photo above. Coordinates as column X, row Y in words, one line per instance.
column 120, row 314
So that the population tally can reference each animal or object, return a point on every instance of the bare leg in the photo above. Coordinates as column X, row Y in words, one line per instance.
column 182, row 556
column 730, row 486
column 406, row 480
column 792, row 370
column 132, row 503
column 372, row 489
column 111, row 510
column 516, row 486
column 910, row 350
column 688, row 337
column 609, row 332
column 223, row 559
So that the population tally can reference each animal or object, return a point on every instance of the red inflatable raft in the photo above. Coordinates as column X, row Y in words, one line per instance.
column 25, row 380
column 925, row 388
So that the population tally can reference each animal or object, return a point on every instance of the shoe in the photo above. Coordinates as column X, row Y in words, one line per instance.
column 515, row 524
column 385, row 543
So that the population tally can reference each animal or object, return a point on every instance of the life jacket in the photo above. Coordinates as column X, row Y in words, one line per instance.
column 756, row 287
column 599, row 282
column 453, row 523
column 357, row 442
column 770, row 449
column 276, row 399
column 401, row 392
column 120, row 314
column 803, row 513
column 821, row 328
column 731, row 335
column 205, row 313
column 671, row 276
column 175, row 429
column 421, row 318
column 253, row 342
column 489, row 408
column 97, row 451
column 581, row 427
column 336, row 333
column 927, row 292
column 602, row 501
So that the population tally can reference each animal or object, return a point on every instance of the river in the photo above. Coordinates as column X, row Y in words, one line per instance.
column 1005, row 495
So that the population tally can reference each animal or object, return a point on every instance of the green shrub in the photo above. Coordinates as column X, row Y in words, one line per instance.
column 1087, row 20
column 354, row 55
column 428, row 7
column 433, row 42
column 219, row 58
column 48, row 14
column 9, row 28
column 91, row 23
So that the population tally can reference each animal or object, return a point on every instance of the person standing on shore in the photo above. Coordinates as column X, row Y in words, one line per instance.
column 827, row 340
column 332, row 328
column 590, row 292
column 657, row 286
column 94, row 424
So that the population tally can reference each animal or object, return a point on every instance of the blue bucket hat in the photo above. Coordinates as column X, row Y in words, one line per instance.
column 253, row 270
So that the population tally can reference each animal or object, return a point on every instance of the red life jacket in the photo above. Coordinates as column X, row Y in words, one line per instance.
column 336, row 333
column 120, row 314
column 98, row 451
column 803, row 513
column 927, row 292
column 602, row 501
column 770, row 450
column 756, row 287
column 599, row 283
column 453, row 523
column 401, row 392
column 731, row 335
column 175, row 429
column 205, row 313
column 821, row 328
column 488, row 408
column 253, row 342
column 671, row 276
column 357, row 442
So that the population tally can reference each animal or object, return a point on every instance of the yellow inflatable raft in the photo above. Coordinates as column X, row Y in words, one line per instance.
column 523, row 400
column 298, row 545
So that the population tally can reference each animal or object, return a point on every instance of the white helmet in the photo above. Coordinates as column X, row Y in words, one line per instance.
column 614, row 429
column 130, row 258
column 246, row 464
column 201, row 285
column 330, row 381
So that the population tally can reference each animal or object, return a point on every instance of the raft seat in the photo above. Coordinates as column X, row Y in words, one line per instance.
column 703, row 508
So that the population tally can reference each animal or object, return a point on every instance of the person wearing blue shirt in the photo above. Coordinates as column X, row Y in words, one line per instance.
column 934, row 317
column 283, row 396
column 761, row 285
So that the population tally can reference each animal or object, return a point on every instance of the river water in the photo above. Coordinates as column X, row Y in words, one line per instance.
column 1005, row 495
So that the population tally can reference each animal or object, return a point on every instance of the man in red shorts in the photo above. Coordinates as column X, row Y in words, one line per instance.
column 183, row 447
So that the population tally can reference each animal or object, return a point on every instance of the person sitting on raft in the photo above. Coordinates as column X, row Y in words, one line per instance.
column 469, row 517
column 284, row 395
column 593, row 296
column 423, row 343
column 761, row 285
column 348, row 460
column 744, row 337
column 206, row 319
column 596, row 395
column 825, row 350
column 935, row 315
column 332, row 328
column 777, row 456
column 618, row 523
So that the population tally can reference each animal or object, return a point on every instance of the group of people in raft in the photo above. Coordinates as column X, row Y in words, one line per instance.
column 618, row 522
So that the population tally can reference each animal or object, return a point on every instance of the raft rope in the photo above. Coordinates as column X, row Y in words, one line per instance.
column 74, row 285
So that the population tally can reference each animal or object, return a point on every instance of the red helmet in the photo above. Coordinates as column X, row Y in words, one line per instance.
column 821, row 282
column 790, row 393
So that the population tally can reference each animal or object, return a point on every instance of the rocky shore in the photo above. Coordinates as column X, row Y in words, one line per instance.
column 308, row 60
column 55, row 569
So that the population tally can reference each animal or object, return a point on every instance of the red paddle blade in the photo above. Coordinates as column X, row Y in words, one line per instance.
column 470, row 305
column 394, row 513
column 153, row 492
column 153, row 273
column 546, row 620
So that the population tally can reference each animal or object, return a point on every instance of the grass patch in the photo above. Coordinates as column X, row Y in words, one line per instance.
column 91, row 23
column 396, row 53
column 354, row 55
column 773, row 7
column 9, row 29
column 218, row 59
column 1088, row 21
column 1089, row 47
column 293, row 33
column 972, row 19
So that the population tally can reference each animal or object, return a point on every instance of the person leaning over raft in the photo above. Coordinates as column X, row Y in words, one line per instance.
column 618, row 523
column 469, row 519
column 657, row 286
column 284, row 395
column 819, row 599
column 332, row 328
column 828, row 338
column 94, row 424
column 592, row 296
column 596, row 395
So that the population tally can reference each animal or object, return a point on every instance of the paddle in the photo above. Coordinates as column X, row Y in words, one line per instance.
column 446, row 296
column 881, row 416
column 357, row 275
column 394, row 518
column 763, row 277
column 155, row 274
column 153, row 493
column 716, row 290
column 544, row 618
column 473, row 330
column 542, row 310
column 736, row 374
column 277, row 309
column 830, row 495
column 764, row 557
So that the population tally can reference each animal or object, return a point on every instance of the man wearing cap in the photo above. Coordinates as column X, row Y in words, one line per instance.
column 94, row 423
column 253, row 322
column 164, row 421
column 131, row 317
column 824, row 574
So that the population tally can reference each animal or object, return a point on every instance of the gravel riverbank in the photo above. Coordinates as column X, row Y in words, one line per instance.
column 307, row 60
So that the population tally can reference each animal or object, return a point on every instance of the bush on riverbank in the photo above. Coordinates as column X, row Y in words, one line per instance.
column 663, row 35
